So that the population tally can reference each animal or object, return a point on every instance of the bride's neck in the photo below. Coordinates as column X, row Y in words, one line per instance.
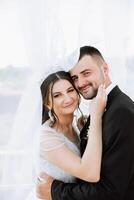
column 64, row 123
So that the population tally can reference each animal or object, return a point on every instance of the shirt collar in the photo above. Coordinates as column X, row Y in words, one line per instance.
column 110, row 87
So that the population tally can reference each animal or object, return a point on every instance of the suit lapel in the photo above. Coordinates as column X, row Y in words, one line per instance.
column 112, row 95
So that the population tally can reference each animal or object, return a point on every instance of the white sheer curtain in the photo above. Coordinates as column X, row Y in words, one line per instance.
column 51, row 30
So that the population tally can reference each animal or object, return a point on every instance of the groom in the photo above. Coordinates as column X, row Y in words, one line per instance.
column 117, row 171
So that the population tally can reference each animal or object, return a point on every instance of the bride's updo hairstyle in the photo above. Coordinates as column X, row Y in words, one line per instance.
column 46, row 91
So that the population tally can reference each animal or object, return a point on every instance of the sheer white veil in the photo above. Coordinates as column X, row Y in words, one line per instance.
column 28, row 117
column 19, row 162
column 25, row 132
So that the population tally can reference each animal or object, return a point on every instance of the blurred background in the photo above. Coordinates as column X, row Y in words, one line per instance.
column 35, row 32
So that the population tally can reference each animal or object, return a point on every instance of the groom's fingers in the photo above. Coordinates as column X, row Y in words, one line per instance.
column 44, row 177
column 43, row 189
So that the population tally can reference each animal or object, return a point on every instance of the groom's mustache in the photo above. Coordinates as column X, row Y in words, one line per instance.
column 85, row 86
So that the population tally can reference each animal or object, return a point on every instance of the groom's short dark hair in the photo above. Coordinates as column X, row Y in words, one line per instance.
column 89, row 50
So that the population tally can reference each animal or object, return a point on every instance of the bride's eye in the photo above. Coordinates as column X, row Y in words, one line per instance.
column 71, row 90
column 56, row 95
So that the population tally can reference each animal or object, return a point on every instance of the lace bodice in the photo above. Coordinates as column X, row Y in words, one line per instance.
column 50, row 139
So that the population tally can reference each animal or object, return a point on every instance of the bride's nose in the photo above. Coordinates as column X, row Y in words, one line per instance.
column 67, row 99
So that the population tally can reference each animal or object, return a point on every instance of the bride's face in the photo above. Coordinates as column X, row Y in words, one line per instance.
column 64, row 98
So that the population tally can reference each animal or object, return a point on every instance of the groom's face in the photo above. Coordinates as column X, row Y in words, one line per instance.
column 87, row 75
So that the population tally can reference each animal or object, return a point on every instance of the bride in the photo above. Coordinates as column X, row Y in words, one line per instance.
column 59, row 140
column 59, row 154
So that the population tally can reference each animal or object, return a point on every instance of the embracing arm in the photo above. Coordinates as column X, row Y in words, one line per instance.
column 87, row 167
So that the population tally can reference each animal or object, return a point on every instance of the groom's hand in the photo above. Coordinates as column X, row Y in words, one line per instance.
column 43, row 188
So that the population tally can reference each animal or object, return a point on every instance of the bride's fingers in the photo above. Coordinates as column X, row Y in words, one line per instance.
column 100, row 91
column 102, row 95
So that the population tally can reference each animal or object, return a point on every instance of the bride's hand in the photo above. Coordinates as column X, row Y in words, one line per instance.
column 98, row 104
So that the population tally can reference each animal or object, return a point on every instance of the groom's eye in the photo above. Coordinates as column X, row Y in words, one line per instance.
column 86, row 73
column 74, row 78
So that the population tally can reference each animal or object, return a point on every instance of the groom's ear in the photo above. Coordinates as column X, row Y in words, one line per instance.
column 105, row 69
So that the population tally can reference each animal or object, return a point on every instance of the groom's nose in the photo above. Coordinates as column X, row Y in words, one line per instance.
column 81, row 82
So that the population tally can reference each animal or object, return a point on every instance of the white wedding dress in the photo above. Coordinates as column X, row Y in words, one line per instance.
column 51, row 139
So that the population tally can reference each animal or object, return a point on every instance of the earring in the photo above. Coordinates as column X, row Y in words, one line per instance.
column 51, row 116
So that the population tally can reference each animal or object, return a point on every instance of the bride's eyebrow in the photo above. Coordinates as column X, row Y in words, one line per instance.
column 71, row 87
column 56, row 92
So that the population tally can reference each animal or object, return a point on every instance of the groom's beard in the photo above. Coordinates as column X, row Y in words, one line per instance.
column 88, row 91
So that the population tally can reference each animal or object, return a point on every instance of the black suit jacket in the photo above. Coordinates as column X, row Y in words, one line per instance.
column 117, row 172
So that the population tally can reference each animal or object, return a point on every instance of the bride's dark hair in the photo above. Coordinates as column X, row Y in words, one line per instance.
column 46, row 90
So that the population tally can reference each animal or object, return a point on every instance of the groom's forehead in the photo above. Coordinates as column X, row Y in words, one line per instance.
column 77, row 69
column 80, row 65
column 73, row 71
